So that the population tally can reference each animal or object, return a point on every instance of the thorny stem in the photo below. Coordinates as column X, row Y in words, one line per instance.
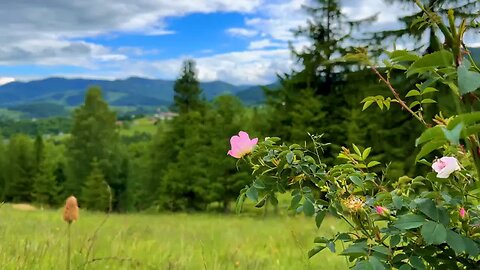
column 397, row 96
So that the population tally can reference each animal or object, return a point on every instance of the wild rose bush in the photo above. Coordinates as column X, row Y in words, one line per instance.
column 426, row 222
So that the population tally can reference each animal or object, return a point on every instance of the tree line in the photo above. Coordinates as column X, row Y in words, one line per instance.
column 184, row 165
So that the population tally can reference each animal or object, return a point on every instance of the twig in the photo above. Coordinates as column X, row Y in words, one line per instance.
column 397, row 96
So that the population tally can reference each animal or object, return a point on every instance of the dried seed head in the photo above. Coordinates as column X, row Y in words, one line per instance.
column 70, row 212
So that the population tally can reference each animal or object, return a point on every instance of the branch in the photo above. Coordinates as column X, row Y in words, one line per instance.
column 397, row 97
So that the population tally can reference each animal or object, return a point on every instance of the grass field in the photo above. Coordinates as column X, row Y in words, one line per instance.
column 37, row 239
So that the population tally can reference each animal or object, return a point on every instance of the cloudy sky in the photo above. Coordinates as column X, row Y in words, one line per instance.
column 239, row 41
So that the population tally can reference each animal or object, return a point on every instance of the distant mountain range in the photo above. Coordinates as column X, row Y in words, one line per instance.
column 35, row 98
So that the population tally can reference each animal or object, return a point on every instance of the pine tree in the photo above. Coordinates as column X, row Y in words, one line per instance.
column 95, row 191
column 93, row 136
column 187, row 96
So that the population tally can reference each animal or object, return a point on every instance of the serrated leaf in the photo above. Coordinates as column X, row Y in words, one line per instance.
column 455, row 241
column 315, row 250
column 468, row 81
column 428, row 101
column 417, row 263
column 252, row 194
column 394, row 240
column 409, row 221
column 366, row 152
column 319, row 218
column 367, row 104
column 453, row 135
column 373, row 164
column 308, row 208
column 429, row 147
column 434, row 233
column 356, row 180
column 435, row 132
column 412, row 93
column 413, row 104
column 380, row 104
column 436, row 59
column 355, row 148
column 290, row 156
column 429, row 90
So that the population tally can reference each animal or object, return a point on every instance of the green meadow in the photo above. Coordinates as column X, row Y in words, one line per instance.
column 37, row 239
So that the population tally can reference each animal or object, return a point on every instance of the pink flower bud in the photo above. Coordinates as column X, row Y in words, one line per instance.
column 462, row 213
column 382, row 211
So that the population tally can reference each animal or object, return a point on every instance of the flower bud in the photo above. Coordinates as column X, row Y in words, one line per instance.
column 382, row 211
column 463, row 214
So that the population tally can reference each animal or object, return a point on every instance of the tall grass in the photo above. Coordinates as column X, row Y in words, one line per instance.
column 35, row 240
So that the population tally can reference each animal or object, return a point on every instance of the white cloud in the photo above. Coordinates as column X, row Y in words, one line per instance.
column 50, row 32
column 242, row 32
column 5, row 80
column 265, row 43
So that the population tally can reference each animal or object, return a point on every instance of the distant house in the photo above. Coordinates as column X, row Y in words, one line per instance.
column 165, row 115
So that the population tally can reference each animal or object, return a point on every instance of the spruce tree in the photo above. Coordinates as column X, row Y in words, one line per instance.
column 187, row 92
column 45, row 189
column 93, row 136
column 95, row 191
column 20, row 169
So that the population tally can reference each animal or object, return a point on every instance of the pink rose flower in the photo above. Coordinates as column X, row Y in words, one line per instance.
column 445, row 166
column 241, row 145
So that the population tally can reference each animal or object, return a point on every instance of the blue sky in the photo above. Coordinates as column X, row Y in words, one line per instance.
column 238, row 41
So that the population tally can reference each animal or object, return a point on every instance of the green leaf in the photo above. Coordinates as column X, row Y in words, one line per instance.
column 290, row 156
column 331, row 246
column 239, row 204
column 402, row 55
column 471, row 246
column 435, row 132
column 308, row 208
column 467, row 119
column 382, row 249
column 429, row 90
column 413, row 93
column 453, row 135
column 455, row 241
column 417, row 263
column 468, row 81
column 319, row 218
column 366, row 153
column 355, row 148
column 434, row 233
column 295, row 201
column 428, row 101
column 315, row 250
column 357, row 250
column 413, row 104
column 252, row 194
column 376, row 263
column 405, row 267
column 394, row 240
column 367, row 104
column 429, row 147
column 437, row 59
column 409, row 221
column 373, row 164
column 356, row 180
